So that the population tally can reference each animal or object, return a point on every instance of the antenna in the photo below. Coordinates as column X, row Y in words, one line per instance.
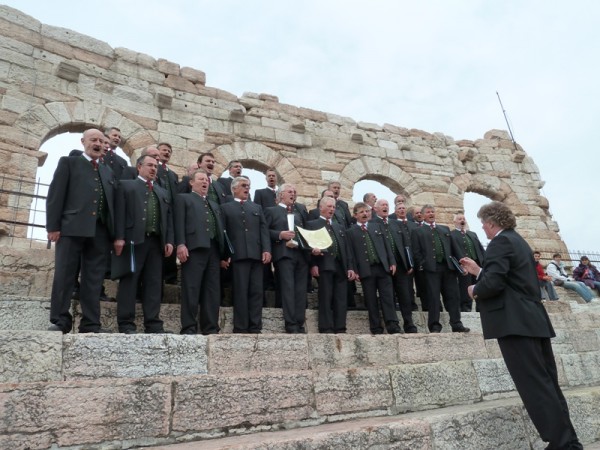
column 507, row 124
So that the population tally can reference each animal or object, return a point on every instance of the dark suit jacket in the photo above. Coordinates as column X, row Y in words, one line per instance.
column 116, row 163
column 130, row 212
column 224, row 196
column 276, row 217
column 358, row 248
column 226, row 182
column 129, row 173
column 343, row 206
column 326, row 261
column 247, row 230
column 70, row 205
column 184, row 185
column 338, row 216
column 191, row 222
column 168, row 180
column 460, row 243
column 265, row 198
column 400, row 241
column 424, row 252
column 507, row 290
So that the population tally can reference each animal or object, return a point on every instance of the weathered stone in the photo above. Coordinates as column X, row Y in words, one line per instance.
column 78, row 413
column 416, row 349
column 30, row 356
column 352, row 390
column 434, row 385
column 347, row 351
column 215, row 402
column 257, row 353
column 582, row 368
column 494, row 379
column 133, row 356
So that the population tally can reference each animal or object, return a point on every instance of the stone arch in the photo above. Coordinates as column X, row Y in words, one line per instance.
column 261, row 157
column 381, row 170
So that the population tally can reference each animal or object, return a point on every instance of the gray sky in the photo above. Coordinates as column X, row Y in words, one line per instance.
column 433, row 65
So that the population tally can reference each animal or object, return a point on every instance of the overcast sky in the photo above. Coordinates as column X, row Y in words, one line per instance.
column 433, row 65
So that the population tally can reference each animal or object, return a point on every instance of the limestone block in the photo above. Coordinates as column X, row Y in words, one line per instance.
column 142, row 109
column 83, row 412
column 168, row 67
column 415, row 349
column 194, row 75
column 30, row 356
column 337, row 351
column 291, row 138
column 78, row 40
column 135, row 57
column 136, row 95
column 494, row 379
column 500, row 428
column 434, row 385
column 180, row 84
column 17, row 17
column 581, row 369
column 493, row 349
column 340, row 145
column 275, row 123
column 133, row 356
column 180, row 132
column 244, row 353
column 217, row 402
column 583, row 410
column 352, row 390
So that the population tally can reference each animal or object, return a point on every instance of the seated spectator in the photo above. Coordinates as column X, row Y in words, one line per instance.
column 556, row 270
column 587, row 273
column 544, row 280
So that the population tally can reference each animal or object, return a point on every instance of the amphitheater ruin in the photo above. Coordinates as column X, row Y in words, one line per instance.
column 269, row 391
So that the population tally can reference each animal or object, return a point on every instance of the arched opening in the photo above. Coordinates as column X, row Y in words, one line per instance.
column 472, row 202
column 257, row 178
column 372, row 186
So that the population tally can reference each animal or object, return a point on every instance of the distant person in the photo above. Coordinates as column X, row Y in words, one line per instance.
column 556, row 270
column 111, row 159
column 511, row 312
column 544, row 280
column 266, row 197
column 234, row 168
column 587, row 273
column 469, row 243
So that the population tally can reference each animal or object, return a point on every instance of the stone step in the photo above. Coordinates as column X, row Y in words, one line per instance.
column 494, row 425
column 32, row 313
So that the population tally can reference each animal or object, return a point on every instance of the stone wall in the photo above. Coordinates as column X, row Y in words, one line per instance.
column 54, row 80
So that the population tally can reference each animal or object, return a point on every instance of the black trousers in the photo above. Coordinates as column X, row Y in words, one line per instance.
column 291, row 275
column 247, row 278
column 69, row 253
column 464, row 281
column 148, row 265
column 201, row 288
column 333, row 300
column 380, row 282
column 530, row 362
column 403, row 290
column 442, row 281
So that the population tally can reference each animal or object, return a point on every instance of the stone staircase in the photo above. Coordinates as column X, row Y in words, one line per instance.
column 278, row 391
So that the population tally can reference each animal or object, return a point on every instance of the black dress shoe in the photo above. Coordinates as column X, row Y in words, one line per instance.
column 410, row 329
column 129, row 332
column 54, row 327
column 99, row 330
column 188, row 332
column 461, row 329
column 435, row 330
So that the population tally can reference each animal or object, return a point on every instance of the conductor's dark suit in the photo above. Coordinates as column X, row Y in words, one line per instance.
column 265, row 197
column 217, row 192
column 469, row 244
column 80, row 205
column 508, row 295
column 132, row 223
column 333, row 265
column 291, row 268
column 247, row 230
column 199, row 227
column 401, row 248
column 374, row 273
column 440, row 273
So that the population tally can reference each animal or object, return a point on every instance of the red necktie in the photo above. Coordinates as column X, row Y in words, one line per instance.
column 363, row 227
column 149, row 184
column 385, row 220
column 95, row 164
